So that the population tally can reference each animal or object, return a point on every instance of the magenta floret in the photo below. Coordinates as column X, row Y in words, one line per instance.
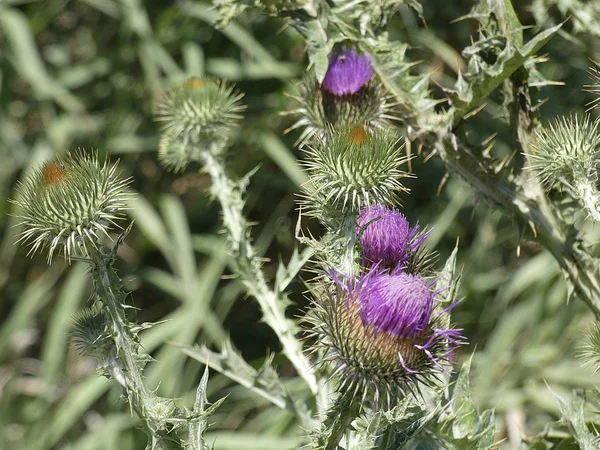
column 399, row 304
column 386, row 237
column 347, row 73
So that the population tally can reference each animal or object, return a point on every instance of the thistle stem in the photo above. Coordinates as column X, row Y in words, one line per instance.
column 248, row 265
column 339, row 418
column 140, row 398
column 587, row 194
column 571, row 257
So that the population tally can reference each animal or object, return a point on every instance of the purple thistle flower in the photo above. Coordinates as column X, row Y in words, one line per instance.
column 386, row 237
column 399, row 304
column 347, row 73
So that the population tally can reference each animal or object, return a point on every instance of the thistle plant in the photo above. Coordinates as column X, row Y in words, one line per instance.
column 374, row 351
column 68, row 206
column 378, row 329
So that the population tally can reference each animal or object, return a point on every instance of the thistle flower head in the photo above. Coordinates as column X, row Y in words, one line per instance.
column 200, row 106
column 399, row 304
column 68, row 203
column 567, row 151
column 352, row 169
column 381, row 334
column 347, row 73
column 386, row 237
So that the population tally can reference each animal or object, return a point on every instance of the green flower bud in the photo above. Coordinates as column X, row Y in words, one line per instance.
column 196, row 116
column 351, row 169
column 566, row 155
column 90, row 334
column 568, row 149
column 68, row 203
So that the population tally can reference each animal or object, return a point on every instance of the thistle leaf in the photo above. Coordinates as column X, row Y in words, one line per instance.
column 265, row 381
column 572, row 415
column 285, row 274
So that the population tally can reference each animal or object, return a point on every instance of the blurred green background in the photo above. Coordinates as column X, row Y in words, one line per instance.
column 84, row 73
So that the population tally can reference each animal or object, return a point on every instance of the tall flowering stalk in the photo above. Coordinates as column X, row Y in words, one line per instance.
column 69, row 206
column 377, row 325
column 379, row 331
column 210, row 111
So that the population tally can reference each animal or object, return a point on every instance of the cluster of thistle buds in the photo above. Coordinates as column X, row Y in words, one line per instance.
column 376, row 319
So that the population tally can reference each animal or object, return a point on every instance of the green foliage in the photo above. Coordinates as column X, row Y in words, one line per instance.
column 572, row 414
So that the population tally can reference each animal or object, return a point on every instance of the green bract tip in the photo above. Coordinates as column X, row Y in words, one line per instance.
column 68, row 203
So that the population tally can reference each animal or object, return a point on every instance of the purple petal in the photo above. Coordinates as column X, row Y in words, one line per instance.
column 399, row 304
column 347, row 73
column 385, row 236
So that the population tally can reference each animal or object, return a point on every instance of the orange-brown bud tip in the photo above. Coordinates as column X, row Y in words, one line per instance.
column 195, row 82
column 53, row 173
column 358, row 135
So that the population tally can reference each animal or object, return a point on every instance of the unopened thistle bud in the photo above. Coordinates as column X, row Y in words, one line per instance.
column 90, row 335
column 67, row 204
column 386, row 238
column 382, row 334
column 566, row 155
column 351, row 169
column 197, row 116
column 349, row 95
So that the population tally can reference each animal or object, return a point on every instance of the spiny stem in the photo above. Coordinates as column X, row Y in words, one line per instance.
column 550, row 230
column 343, row 412
column 587, row 193
column 140, row 398
column 248, row 265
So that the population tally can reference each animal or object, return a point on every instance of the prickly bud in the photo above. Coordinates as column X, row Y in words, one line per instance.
column 68, row 203
column 352, row 169
column 349, row 95
column 90, row 334
column 566, row 155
